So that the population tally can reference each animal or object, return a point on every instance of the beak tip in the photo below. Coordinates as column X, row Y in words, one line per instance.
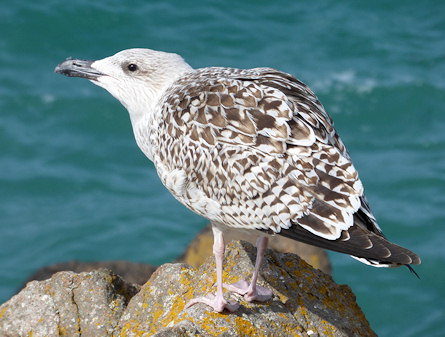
column 57, row 69
column 77, row 68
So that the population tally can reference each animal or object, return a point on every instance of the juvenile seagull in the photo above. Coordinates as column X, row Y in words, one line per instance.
column 251, row 149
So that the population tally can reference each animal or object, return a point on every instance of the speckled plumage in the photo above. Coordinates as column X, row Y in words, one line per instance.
column 249, row 149
column 255, row 149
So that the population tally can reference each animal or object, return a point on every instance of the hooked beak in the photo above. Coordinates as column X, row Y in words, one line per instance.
column 78, row 68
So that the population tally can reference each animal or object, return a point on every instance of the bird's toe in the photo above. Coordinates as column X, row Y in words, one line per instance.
column 250, row 292
column 218, row 303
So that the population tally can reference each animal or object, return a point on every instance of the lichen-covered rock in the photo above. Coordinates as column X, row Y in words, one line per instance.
column 306, row 302
column 68, row 304
column 201, row 248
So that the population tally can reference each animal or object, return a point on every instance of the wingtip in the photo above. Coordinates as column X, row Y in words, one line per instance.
column 411, row 269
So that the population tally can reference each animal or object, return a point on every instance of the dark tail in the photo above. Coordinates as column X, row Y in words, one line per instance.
column 369, row 247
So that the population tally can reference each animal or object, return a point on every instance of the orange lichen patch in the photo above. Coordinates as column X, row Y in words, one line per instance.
column 203, row 285
column 3, row 310
column 156, row 312
column 163, row 314
column 185, row 278
column 132, row 329
column 228, row 274
column 291, row 264
column 61, row 330
column 246, row 328
column 332, row 302
column 283, row 298
column 302, row 311
column 114, row 305
column 210, row 326
column 328, row 329
column 173, row 314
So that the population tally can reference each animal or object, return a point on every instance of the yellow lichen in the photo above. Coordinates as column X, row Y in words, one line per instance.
column 2, row 312
column 163, row 314
column 246, row 328
column 133, row 327
column 61, row 330
column 328, row 329
column 290, row 264
column 208, row 323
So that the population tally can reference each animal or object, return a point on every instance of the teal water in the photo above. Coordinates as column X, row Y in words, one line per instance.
column 73, row 184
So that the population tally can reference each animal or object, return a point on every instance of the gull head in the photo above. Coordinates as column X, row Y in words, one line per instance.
column 136, row 77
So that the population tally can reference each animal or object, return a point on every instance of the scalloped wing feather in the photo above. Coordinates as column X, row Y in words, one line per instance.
column 261, row 150
column 271, row 143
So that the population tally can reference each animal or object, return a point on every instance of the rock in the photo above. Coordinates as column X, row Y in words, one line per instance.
column 201, row 248
column 306, row 302
column 68, row 304
column 132, row 272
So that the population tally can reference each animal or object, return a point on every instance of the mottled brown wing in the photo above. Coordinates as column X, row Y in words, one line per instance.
column 261, row 146
column 264, row 148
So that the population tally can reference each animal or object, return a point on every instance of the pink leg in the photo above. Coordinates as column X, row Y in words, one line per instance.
column 253, row 291
column 218, row 303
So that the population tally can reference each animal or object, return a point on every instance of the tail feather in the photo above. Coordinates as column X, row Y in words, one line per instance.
column 411, row 269
column 358, row 242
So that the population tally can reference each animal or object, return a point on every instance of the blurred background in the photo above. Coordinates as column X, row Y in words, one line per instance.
column 74, row 185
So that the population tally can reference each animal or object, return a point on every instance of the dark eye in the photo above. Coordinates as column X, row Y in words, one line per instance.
column 132, row 67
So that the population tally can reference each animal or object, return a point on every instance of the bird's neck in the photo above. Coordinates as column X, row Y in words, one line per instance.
column 146, row 116
column 143, row 122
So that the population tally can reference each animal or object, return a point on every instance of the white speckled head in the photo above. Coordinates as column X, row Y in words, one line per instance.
column 138, row 77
